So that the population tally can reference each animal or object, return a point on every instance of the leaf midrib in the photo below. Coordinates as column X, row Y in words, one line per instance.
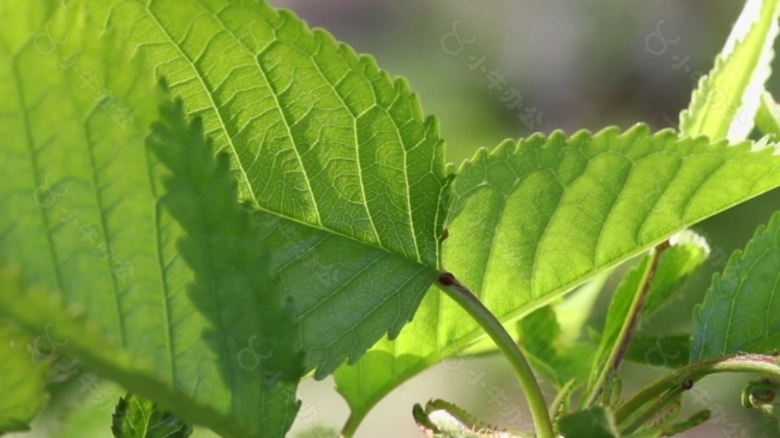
column 278, row 108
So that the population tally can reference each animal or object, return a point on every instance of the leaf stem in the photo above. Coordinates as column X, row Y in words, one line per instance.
column 677, row 379
column 471, row 304
column 660, row 403
column 620, row 347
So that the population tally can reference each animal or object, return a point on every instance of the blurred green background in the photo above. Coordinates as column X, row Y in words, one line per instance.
column 582, row 65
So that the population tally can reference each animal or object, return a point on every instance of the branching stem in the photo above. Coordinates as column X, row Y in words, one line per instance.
column 465, row 299
column 677, row 380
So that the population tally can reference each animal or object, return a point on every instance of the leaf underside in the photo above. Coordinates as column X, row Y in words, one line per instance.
column 348, row 176
column 144, row 240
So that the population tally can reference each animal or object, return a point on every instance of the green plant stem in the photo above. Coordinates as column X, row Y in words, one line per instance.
column 465, row 299
column 620, row 347
column 751, row 363
column 642, row 418
column 350, row 427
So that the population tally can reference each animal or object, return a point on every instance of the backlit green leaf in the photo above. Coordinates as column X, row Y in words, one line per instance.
column 768, row 116
column 678, row 262
column 534, row 219
column 741, row 310
column 726, row 101
column 147, row 241
column 348, row 175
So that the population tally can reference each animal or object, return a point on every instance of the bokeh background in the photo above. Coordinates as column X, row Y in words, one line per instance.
column 581, row 65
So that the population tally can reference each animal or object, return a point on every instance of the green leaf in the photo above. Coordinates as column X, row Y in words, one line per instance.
column 335, row 154
column 534, row 219
column 23, row 382
column 726, row 101
column 595, row 422
column 660, row 350
column 136, row 417
column 540, row 340
column 171, row 279
column 768, row 116
column 678, row 262
column 620, row 318
column 739, row 312
column 675, row 264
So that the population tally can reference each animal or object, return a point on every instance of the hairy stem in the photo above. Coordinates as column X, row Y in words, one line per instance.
column 678, row 379
column 629, row 325
column 533, row 393
column 660, row 403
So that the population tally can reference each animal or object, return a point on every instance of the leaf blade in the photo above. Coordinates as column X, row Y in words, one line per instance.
column 737, row 79
column 640, row 202
column 123, row 230
column 743, row 300
column 356, row 163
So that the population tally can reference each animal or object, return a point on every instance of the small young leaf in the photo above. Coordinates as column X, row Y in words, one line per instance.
column 687, row 252
column 136, row 417
column 22, row 382
column 727, row 99
column 768, row 117
column 740, row 312
column 596, row 422
column 619, row 318
column 540, row 340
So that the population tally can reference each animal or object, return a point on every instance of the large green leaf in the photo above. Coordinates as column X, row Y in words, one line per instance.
column 22, row 386
column 741, row 310
column 335, row 154
column 148, row 243
column 726, row 101
column 533, row 219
